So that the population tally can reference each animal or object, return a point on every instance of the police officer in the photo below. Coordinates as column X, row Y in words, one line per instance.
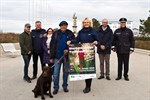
column 123, row 44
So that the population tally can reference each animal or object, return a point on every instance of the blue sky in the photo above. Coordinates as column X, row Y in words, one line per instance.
column 15, row 13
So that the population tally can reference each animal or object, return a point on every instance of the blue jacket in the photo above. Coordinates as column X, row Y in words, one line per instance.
column 86, row 35
column 106, row 38
column 55, row 43
column 37, row 40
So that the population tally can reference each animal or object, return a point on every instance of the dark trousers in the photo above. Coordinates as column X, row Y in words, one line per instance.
column 35, row 62
column 26, row 59
column 123, row 59
column 88, row 83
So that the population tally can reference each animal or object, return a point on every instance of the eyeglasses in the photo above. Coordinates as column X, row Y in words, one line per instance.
column 50, row 31
column 123, row 22
column 104, row 22
column 28, row 27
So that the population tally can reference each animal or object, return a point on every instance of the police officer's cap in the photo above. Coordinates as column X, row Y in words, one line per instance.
column 63, row 23
column 122, row 20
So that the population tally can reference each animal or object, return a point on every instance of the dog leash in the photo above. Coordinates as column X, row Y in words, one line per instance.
column 58, row 61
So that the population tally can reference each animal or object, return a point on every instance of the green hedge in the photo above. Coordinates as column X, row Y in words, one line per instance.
column 142, row 44
column 142, row 38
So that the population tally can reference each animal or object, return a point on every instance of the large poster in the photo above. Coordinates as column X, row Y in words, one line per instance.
column 82, row 61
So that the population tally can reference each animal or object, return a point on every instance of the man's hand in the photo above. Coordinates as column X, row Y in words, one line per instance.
column 114, row 50
column 95, row 43
column 29, row 52
column 102, row 47
column 131, row 52
column 66, row 52
column 51, row 61
column 68, row 42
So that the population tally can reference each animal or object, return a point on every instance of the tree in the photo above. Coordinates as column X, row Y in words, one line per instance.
column 96, row 23
column 144, row 28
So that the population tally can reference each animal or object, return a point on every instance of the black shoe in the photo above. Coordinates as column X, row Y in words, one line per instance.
column 126, row 78
column 34, row 77
column 118, row 78
column 86, row 90
column 101, row 77
column 55, row 91
column 108, row 78
column 66, row 90
column 27, row 80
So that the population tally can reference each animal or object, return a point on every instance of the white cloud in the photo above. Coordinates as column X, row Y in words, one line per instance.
column 15, row 13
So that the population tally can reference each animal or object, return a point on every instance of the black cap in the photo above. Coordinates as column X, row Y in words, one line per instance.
column 123, row 20
column 63, row 23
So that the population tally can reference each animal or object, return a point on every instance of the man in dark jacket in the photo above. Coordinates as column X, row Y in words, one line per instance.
column 37, row 42
column 59, row 49
column 106, row 37
column 26, row 49
column 123, row 44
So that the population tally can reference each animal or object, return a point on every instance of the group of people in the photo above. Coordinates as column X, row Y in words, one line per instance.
column 51, row 46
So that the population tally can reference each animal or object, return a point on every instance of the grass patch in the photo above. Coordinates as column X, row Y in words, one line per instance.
column 9, row 38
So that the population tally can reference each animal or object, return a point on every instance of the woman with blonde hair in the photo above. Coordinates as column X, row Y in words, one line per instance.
column 86, row 35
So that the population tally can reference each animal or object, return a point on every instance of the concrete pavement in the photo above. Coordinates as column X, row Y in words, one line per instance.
column 13, row 87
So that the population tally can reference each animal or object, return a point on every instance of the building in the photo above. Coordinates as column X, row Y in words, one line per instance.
column 116, row 24
column 136, row 32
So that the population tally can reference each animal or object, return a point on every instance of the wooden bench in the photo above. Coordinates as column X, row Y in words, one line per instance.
column 9, row 48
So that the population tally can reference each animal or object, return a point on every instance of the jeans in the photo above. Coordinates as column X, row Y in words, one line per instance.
column 26, row 59
column 56, row 73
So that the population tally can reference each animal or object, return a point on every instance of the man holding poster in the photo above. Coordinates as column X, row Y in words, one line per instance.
column 86, row 35
column 59, row 53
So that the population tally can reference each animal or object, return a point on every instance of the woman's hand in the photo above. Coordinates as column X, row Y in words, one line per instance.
column 68, row 42
column 95, row 43
column 48, row 51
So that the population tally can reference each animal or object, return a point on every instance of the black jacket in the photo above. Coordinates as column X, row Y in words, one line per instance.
column 106, row 38
column 25, row 43
column 37, row 40
column 56, row 40
column 123, row 41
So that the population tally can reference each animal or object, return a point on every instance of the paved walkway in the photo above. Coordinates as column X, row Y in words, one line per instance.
column 12, row 86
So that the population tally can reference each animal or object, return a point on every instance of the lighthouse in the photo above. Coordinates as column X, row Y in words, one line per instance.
column 74, row 24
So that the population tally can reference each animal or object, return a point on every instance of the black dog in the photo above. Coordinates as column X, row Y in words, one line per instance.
column 43, row 84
